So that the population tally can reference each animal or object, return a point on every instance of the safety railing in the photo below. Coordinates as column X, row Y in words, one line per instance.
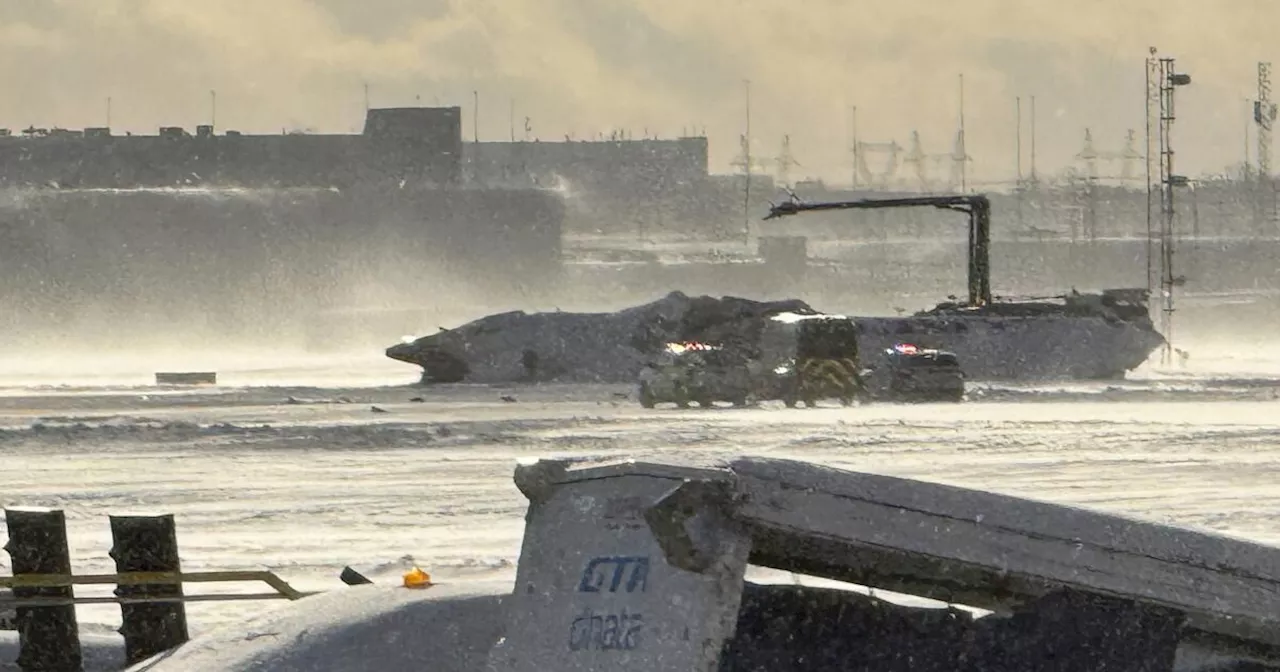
column 40, row 601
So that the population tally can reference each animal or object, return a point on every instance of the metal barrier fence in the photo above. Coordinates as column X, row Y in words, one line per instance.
column 149, row 588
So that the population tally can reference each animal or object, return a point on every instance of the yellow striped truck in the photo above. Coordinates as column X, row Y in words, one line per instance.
column 798, row 358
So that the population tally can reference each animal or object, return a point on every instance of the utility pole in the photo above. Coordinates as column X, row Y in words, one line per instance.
column 512, row 118
column 366, row 98
column 213, row 109
column 475, row 116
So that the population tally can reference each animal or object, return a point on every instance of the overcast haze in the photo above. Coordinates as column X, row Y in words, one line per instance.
column 587, row 66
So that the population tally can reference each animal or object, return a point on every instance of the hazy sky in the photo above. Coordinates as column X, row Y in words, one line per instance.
column 588, row 66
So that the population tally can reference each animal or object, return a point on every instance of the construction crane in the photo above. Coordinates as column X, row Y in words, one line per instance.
column 977, row 206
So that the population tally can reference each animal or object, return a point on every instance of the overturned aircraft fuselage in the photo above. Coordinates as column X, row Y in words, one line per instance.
column 1080, row 339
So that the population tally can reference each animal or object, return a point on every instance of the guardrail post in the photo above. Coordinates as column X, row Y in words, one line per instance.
column 48, row 636
column 148, row 544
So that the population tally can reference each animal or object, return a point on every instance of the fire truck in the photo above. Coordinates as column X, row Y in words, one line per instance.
column 799, row 358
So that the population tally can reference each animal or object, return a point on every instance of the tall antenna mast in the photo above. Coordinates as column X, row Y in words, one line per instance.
column 1017, row 162
column 1033, row 139
column 962, row 155
column 1246, row 172
column 746, row 155
column 108, row 111
column 1168, row 79
column 1153, row 155
column 475, row 116
column 213, row 109
column 366, row 97
column 1264, row 113
column 512, row 120
column 853, row 128
column 1017, row 140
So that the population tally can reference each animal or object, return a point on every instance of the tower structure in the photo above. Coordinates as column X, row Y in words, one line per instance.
column 1091, row 156
column 746, row 166
column 1264, row 115
column 1155, row 163
column 884, row 177
column 917, row 159
column 853, row 143
column 1166, row 79
column 1264, row 112
column 1018, row 185
column 960, row 161
column 960, row 155
column 748, row 162
column 1128, row 156
column 921, row 162
column 785, row 161
column 864, row 177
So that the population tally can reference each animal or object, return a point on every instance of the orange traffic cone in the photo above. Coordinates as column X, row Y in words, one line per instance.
column 416, row 578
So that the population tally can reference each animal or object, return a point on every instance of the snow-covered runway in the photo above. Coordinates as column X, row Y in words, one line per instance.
column 305, row 480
